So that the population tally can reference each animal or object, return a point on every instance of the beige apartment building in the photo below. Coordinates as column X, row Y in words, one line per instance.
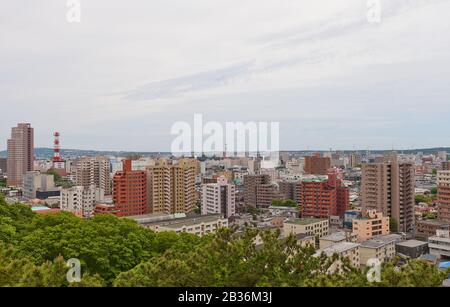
column 372, row 224
column 381, row 248
column 388, row 187
column 337, row 237
column 89, row 172
column 307, row 226
column 443, row 183
column 348, row 250
column 20, row 153
column 80, row 200
column 171, row 187
column 199, row 225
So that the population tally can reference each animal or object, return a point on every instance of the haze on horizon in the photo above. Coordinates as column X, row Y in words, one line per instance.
column 119, row 79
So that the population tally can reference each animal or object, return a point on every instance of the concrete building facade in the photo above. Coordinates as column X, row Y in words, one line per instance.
column 93, row 171
column 35, row 181
column 388, row 187
column 443, row 183
column 171, row 187
column 308, row 226
column 219, row 198
column 80, row 200
column 317, row 165
column 130, row 191
column 372, row 224
column 251, row 183
column 20, row 153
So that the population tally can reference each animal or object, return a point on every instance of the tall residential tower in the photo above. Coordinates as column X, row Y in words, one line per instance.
column 388, row 187
column 20, row 153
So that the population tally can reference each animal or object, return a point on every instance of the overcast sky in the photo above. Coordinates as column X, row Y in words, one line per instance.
column 121, row 77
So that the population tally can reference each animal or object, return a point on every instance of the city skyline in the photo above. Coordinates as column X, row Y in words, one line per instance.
column 330, row 77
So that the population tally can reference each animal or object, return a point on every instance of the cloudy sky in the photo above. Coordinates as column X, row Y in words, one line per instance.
column 121, row 77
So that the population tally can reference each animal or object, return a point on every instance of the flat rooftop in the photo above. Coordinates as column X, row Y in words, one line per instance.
column 337, row 236
column 337, row 248
column 412, row 243
column 380, row 241
column 434, row 222
column 38, row 208
column 304, row 221
column 155, row 217
column 187, row 221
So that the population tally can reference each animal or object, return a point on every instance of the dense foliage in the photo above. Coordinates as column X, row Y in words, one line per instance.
column 118, row 252
column 284, row 203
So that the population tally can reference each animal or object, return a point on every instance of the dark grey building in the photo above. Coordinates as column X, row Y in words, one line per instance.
column 412, row 248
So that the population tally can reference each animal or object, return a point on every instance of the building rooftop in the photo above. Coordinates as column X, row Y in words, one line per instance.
column 380, row 241
column 434, row 222
column 156, row 217
column 186, row 221
column 412, row 243
column 304, row 221
column 337, row 236
column 438, row 238
column 337, row 248
column 38, row 208
column 313, row 178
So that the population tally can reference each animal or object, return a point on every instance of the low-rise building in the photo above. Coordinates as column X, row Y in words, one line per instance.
column 348, row 250
column 381, row 248
column 34, row 182
column 428, row 228
column 337, row 237
column 198, row 225
column 440, row 244
column 372, row 224
column 412, row 248
column 309, row 226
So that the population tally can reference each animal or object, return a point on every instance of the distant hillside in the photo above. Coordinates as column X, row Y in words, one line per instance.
column 45, row 153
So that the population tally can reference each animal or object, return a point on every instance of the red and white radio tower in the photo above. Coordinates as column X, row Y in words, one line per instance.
column 56, row 148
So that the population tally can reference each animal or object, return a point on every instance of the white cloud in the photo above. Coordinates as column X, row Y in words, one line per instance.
column 135, row 67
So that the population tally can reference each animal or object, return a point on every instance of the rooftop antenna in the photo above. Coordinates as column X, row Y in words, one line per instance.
column 56, row 148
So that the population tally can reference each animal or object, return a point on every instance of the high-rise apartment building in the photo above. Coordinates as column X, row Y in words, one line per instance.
column 288, row 188
column 443, row 182
column 219, row 198
column 266, row 194
column 323, row 196
column 251, row 183
column 80, row 200
column 130, row 191
column 93, row 171
column 388, row 187
column 446, row 166
column 20, row 153
column 355, row 160
column 317, row 165
column 3, row 166
column 171, row 187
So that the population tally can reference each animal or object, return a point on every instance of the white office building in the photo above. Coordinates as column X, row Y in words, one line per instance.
column 219, row 198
